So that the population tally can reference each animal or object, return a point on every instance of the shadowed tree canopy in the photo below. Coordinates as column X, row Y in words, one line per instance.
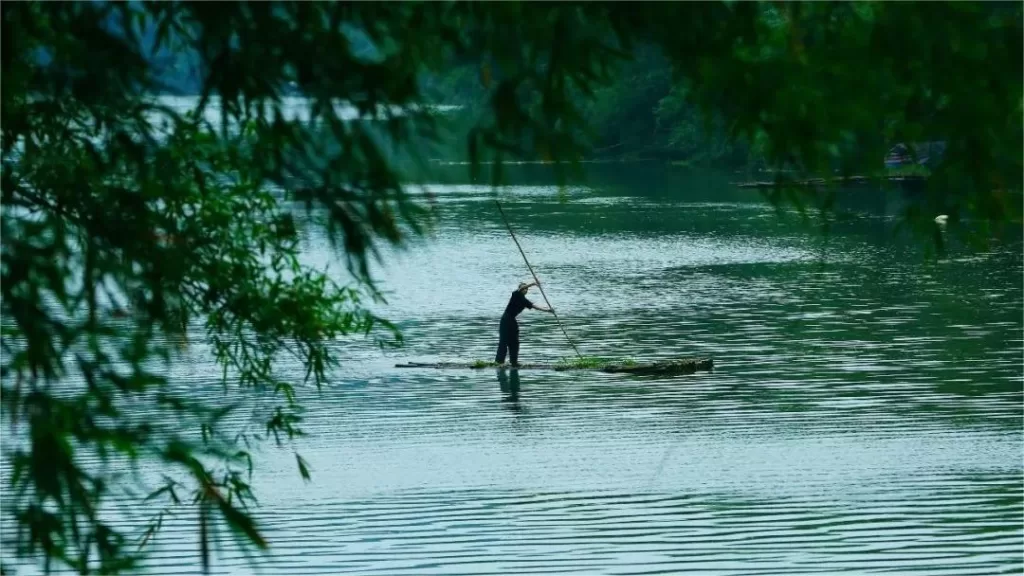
column 131, row 221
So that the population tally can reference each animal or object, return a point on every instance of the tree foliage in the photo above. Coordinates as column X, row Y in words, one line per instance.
column 130, row 224
column 818, row 89
column 830, row 86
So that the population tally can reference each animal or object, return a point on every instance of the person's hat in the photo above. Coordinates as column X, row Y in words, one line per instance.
column 522, row 285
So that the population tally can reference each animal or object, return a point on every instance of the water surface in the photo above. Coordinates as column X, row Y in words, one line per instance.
column 864, row 414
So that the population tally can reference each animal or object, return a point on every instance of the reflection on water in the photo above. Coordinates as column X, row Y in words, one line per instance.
column 508, row 380
column 864, row 414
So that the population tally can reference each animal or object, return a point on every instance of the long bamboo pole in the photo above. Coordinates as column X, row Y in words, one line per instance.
column 535, row 279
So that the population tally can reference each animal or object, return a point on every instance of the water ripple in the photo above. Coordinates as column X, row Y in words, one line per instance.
column 863, row 416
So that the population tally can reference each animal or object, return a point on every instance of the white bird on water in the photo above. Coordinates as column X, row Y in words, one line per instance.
column 941, row 219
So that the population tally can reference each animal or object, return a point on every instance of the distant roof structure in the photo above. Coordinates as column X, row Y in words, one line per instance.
column 920, row 153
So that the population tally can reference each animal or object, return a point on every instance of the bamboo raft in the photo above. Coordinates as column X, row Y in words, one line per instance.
column 664, row 368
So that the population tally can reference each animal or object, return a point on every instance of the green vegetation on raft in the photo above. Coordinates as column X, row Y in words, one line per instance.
column 590, row 362
column 568, row 363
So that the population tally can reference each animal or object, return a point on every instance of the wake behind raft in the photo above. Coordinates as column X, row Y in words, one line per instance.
column 662, row 368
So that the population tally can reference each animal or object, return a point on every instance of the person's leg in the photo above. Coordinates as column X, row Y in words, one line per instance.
column 499, row 358
column 513, row 344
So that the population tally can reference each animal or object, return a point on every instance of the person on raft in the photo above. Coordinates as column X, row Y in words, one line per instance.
column 508, row 330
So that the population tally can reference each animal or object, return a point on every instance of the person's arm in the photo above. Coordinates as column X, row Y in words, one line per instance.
column 541, row 308
column 530, row 304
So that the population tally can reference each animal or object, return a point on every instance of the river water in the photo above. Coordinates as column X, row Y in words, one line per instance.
column 864, row 414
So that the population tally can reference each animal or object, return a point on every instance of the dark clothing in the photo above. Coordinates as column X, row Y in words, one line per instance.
column 516, row 304
column 508, row 340
column 508, row 329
